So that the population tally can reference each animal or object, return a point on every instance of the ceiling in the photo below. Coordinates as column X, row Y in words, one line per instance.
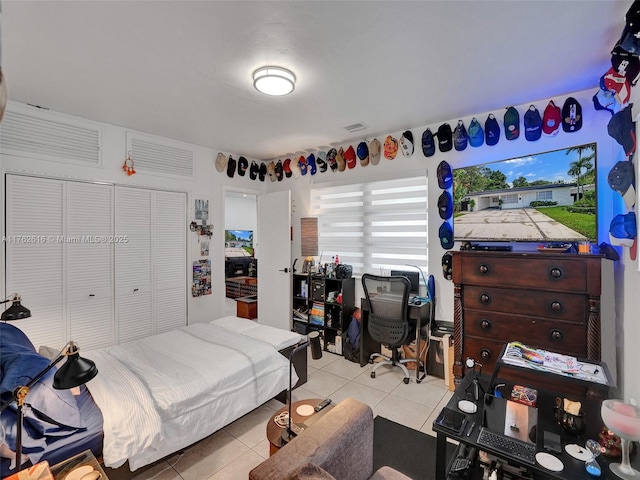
column 182, row 69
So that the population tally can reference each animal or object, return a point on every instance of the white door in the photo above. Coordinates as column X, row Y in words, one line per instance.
column 273, row 252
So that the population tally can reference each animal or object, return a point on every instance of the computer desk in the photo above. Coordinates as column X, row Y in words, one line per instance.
column 573, row 468
column 418, row 313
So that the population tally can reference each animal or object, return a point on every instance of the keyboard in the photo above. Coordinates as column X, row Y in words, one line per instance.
column 510, row 446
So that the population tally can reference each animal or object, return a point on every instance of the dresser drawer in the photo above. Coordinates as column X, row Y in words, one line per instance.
column 557, row 273
column 484, row 351
column 556, row 336
column 536, row 303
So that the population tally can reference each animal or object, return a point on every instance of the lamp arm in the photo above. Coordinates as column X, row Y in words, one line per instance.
column 300, row 347
column 21, row 391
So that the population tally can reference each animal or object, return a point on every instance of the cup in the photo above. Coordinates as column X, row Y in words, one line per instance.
column 584, row 247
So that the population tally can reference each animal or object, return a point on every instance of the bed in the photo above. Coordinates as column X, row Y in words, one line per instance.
column 160, row 394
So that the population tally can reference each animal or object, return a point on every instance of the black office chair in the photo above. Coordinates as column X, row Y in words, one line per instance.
column 388, row 321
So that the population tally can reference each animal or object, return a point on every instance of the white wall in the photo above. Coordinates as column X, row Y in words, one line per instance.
column 207, row 183
column 594, row 129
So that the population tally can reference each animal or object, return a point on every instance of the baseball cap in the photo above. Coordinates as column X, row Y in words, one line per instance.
column 629, row 42
column 447, row 265
column 460, row 137
column 445, row 179
column 622, row 129
column 331, row 159
column 231, row 167
column 253, row 170
column 622, row 179
column 605, row 100
column 625, row 64
column 342, row 164
column 551, row 119
column 445, row 232
column 445, row 140
column 279, row 171
column 271, row 170
column 390, row 147
column 321, row 160
column 374, row 151
column 350, row 157
column 511, row 124
column 571, row 115
column 295, row 169
column 406, row 142
column 286, row 166
column 608, row 251
column 532, row 124
column 428, row 143
column 632, row 18
column 491, row 130
column 221, row 162
column 363, row 153
column 311, row 163
column 243, row 164
column 302, row 163
column 618, row 84
column 622, row 230
column 262, row 173
column 445, row 205
column 476, row 134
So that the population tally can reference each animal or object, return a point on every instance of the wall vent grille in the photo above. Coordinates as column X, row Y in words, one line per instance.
column 28, row 135
column 158, row 158
column 356, row 127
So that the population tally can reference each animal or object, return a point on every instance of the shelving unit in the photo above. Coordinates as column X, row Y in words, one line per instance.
column 318, row 296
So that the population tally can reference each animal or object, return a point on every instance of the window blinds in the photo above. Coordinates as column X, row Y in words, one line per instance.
column 375, row 226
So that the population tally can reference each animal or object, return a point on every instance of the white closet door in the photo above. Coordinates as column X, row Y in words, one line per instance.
column 35, row 256
column 134, row 318
column 169, row 257
column 89, row 264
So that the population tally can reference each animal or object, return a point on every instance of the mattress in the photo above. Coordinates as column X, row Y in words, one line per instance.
column 163, row 393
column 275, row 337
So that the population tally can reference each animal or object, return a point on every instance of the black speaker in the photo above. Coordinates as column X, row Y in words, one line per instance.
column 344, row 271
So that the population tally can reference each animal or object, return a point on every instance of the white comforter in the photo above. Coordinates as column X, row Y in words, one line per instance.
column 165, row 392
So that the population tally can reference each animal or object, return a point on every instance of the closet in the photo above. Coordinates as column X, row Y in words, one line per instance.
column 95, row 263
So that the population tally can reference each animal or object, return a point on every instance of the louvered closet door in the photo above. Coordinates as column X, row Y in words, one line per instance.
column 133, row 264
column 89, row 264
column 169, row 257
column 35, row 259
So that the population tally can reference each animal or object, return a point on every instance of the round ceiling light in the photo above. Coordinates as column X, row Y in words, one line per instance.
column 274, row 80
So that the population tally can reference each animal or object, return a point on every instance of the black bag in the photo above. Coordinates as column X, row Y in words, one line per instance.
column 343, row 271
column 350, row 353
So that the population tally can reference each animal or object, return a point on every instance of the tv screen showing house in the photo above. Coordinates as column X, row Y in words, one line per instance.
column 238, row 243
column 547, row 197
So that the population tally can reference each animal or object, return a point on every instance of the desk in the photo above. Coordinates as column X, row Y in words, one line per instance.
column 418, row 313
column 546, row 400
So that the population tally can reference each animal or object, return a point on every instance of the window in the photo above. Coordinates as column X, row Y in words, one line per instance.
column 375, row 226
column 509, row 198
column 546, row 195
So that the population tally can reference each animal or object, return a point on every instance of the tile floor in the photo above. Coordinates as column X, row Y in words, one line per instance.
column 233, row 451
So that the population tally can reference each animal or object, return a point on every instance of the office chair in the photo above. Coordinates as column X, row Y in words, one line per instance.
column 388, row 321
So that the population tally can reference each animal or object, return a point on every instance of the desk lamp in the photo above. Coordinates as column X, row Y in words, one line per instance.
column 16, row 311
column 474, row 386
column 292, row 430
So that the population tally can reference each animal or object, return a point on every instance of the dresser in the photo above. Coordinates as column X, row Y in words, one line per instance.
column 546, row 300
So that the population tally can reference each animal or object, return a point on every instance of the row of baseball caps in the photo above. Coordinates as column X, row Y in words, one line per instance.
column 535, row 125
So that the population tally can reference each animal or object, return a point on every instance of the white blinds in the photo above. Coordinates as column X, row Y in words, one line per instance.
column 374, row 226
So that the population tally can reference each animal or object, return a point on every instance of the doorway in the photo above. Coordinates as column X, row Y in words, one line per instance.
column 240, row 264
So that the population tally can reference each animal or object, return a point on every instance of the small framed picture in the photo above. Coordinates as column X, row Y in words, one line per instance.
column 204, row 249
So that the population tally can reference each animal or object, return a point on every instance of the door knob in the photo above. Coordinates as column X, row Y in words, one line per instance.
column 285, row 270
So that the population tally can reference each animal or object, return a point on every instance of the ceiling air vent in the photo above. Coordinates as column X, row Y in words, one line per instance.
column 49, row 136
column 356, row 127
column 161, row 158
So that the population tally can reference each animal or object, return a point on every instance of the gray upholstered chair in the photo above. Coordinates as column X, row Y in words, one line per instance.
column 388, row 323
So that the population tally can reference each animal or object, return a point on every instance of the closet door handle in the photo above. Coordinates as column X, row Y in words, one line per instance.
column 92, row 294
column 135, row 289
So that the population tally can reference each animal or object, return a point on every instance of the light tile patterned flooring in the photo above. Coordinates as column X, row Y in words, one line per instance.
column 232, row 452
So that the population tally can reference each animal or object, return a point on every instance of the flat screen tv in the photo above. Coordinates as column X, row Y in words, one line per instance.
column 548, row 197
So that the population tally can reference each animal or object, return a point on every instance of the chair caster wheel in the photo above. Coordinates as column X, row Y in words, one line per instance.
column 373, row 374
column 406, row 380
column 418, row 380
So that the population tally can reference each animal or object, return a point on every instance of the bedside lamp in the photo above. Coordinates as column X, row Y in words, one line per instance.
column 16, row 311
column 309, row 242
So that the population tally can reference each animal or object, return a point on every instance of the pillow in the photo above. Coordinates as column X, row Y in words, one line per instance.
column 52, row 412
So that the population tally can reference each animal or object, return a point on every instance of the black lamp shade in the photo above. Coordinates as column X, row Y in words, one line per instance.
column 316, row 347
column 75, row 371
column 16, row 311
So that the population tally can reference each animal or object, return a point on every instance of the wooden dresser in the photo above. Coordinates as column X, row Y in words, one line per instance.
column 547, row 300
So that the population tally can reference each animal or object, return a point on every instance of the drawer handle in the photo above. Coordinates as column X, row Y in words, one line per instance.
column 485, row 298
column 484, row 269
column 556, row 273
column 556, row 306
column 556, row 335
column 485, row 324
column 485, row 354
column 92, row 294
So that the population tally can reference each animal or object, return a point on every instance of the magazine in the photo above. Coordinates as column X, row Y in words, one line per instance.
column 521, row 355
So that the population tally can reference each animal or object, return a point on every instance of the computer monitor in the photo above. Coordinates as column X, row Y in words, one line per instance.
column 413, row 277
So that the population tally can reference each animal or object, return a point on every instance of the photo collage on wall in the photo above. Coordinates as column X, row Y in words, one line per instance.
column 201, row 278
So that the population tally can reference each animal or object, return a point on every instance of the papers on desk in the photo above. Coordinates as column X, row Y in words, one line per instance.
column 519, row 354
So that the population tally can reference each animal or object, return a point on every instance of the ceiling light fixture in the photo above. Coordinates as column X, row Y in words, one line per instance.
column 274, row 80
